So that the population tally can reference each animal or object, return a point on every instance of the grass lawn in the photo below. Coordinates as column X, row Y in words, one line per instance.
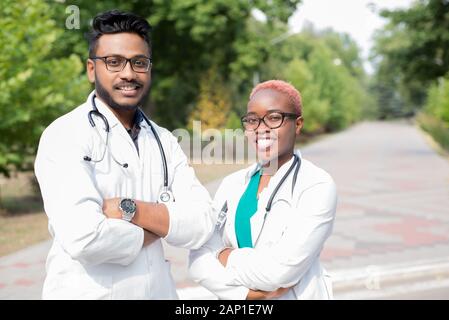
column 22, row 220
column 21, row 231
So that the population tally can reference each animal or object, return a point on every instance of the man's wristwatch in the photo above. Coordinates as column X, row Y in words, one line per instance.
column 128, row 208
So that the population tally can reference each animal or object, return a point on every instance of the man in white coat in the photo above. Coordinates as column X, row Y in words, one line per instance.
column 114, row 183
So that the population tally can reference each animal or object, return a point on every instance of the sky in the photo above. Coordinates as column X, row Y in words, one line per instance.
column 355, row 17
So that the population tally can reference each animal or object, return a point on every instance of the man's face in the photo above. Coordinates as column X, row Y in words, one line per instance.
column 124, row 89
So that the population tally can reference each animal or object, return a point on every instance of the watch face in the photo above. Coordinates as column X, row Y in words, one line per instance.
column 128, row 205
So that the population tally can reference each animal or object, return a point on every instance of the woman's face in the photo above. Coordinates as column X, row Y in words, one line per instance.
column 273, row 144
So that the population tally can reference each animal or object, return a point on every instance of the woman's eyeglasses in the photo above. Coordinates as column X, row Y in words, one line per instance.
column 272, row 120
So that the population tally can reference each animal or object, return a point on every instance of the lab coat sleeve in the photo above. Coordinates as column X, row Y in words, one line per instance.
column 74, row 205
column 285, row 263
column 191, row 221
column 206, row 270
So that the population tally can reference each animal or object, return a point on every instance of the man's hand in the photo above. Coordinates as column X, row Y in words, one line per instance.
column 111, row 208
column 150, row 216
column 112, row 211
column 149, row 237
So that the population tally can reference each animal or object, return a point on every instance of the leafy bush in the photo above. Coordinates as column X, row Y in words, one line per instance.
column 35, row 88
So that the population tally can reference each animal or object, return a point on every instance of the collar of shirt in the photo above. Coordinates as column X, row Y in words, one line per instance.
column 134, row 131
column 280, row 172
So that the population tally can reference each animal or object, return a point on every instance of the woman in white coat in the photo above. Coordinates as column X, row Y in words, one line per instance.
column 272, row 218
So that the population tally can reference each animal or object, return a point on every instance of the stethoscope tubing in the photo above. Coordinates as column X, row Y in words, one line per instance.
column 97, row 113
column 296, row 163
column 161, row 149
column 222, row 216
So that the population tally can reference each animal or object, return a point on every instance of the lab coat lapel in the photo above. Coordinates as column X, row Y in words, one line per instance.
column 147, row 138
column 235, row 193
column 257, row 220
column 230, row 220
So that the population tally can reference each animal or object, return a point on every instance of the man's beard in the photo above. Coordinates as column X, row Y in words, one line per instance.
column 107, row 98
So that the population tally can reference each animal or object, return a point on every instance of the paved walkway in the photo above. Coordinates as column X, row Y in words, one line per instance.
column 392, row 218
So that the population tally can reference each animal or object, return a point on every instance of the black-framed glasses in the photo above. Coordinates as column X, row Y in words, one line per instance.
column 118, row 63
column 272, row 120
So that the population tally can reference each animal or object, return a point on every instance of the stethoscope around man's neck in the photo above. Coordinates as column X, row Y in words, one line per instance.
column 165, row 195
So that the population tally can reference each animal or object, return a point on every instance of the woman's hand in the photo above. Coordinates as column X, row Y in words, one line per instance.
column 262, row 295
column 252, row 294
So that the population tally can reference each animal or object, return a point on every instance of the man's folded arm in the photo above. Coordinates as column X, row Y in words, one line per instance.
column 74, row 205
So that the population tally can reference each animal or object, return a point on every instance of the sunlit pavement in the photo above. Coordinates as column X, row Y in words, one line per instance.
column 391, row 234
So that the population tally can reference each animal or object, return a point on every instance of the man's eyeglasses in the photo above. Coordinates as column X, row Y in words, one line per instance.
column 118, row 63
column 272, row 120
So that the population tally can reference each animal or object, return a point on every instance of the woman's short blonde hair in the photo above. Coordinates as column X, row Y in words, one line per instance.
column 282, row 87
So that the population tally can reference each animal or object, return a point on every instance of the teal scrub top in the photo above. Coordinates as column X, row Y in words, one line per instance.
column 245, row 210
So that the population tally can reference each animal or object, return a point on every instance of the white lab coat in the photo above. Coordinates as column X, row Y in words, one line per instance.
column 287, row 251
column 93, row 257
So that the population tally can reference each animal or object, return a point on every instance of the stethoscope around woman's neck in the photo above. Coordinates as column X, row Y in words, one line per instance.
column 296, row 164
column 165, row 195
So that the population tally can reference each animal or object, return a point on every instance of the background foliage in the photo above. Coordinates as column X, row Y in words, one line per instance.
column 412, row 66
column 207, row 57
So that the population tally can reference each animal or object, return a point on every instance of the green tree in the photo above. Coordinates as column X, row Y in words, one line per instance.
column 35, row 87
column 201, row 34
column 214, row 102
column 326, row 68
column 438, row 101
column 42, row 72
column 189, row 37
column 424, row 54
column 411, row 52
column 346, row 52
column 315, row 108
column 435, row 116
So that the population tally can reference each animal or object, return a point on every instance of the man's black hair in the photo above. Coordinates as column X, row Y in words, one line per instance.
column 115, row 21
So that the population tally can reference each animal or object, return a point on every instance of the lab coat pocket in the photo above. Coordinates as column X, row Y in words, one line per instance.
column 163, row 283
column 84, row 285
column 112, row 181
column 171, row 288
column 276, row 223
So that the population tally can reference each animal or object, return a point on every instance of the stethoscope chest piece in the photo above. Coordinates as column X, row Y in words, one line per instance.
column 165, row 196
